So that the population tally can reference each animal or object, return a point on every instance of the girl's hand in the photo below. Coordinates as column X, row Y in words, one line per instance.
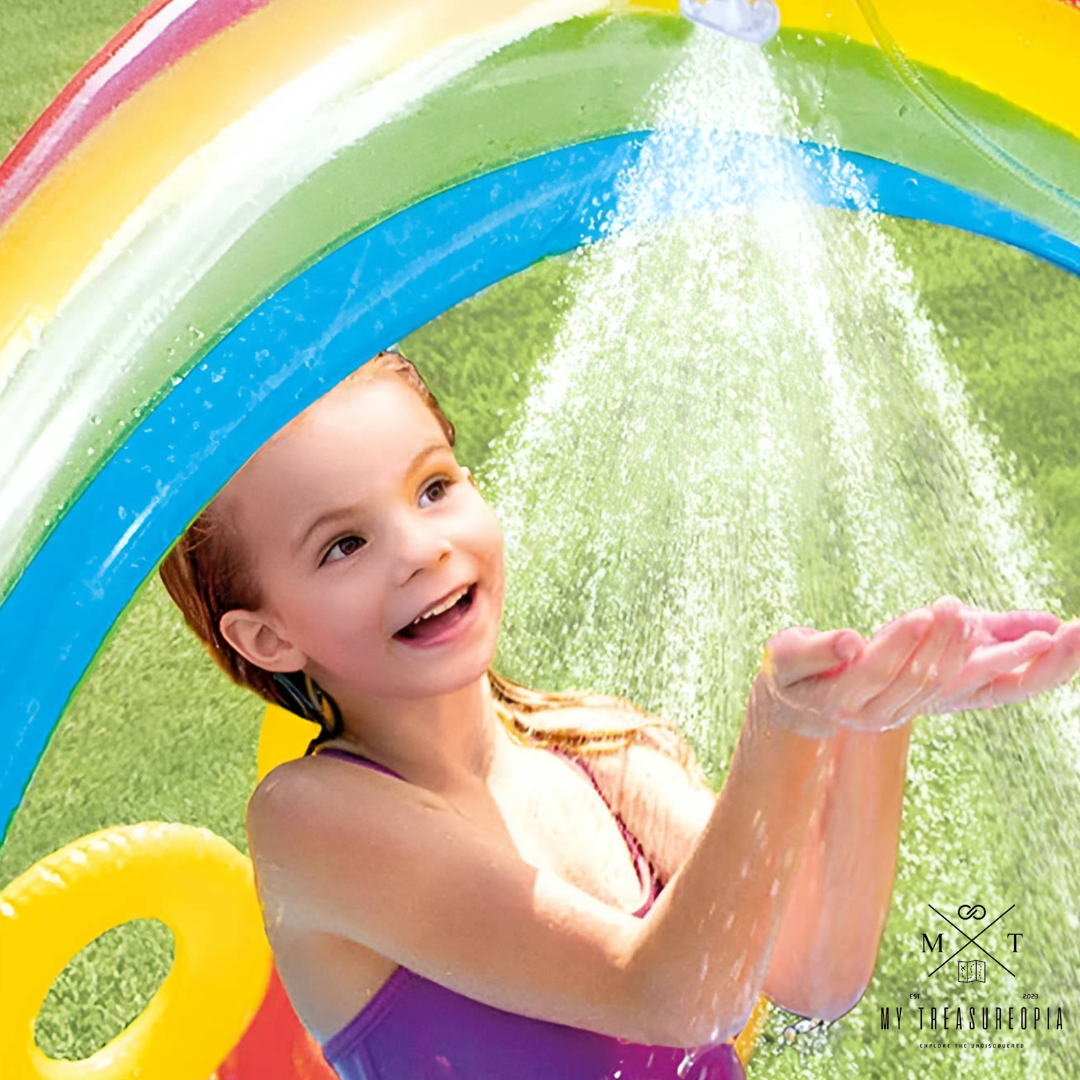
column 1000, row 669
column 938, row 659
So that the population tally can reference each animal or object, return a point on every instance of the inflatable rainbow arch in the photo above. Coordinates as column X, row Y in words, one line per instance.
column 237, row 201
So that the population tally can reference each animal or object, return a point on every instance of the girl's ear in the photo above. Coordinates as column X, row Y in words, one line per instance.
column 259, row 643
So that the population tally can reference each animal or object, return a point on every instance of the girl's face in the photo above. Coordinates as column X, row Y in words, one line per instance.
column 355, row 520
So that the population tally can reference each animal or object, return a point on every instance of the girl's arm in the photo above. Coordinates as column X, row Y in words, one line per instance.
column 829, row 938
column 829, row 934
column 826, row 950
column 707, row 944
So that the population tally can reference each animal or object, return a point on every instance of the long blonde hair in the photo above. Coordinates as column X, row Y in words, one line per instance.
column 205, row 576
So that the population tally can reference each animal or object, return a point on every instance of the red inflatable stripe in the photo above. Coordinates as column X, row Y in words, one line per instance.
column 155, row 39
column 276, row 1046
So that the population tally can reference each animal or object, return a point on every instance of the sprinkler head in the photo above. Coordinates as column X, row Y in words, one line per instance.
column 747, row 20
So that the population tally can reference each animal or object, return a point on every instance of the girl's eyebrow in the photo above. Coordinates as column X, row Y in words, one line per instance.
column 344, row 511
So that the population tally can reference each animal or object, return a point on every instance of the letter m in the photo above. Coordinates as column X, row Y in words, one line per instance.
column 885, row 1018
column 934, row 945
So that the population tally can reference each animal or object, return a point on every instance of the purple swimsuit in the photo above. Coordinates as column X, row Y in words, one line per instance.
column 416, row 1029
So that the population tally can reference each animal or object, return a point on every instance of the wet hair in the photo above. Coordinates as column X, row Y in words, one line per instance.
column 206, row 575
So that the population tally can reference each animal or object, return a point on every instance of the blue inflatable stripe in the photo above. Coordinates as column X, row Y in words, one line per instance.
column 371, row 292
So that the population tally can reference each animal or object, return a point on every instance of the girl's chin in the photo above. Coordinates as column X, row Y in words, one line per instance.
column 435, row 684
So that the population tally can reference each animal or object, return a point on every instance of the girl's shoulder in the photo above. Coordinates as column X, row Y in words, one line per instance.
column 300, row 797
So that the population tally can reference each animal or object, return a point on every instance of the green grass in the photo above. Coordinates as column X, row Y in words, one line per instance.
column 43, row 43
column 1011, row 328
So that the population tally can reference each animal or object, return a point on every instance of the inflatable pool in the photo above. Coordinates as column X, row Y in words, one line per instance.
column 235, row 203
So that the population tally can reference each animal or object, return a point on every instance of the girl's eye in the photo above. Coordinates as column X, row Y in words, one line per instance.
column 345, row 546
column 439, row 486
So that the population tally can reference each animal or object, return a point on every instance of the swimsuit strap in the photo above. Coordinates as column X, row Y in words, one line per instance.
column 348, row 754
column 646, row 874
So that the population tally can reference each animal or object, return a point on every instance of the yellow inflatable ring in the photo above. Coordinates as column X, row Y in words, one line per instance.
column 196, row 883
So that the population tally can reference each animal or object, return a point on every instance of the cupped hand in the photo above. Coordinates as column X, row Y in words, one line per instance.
column 1015, row 655
column 942, row 658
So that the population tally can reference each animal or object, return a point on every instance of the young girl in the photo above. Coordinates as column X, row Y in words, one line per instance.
column 462, row 878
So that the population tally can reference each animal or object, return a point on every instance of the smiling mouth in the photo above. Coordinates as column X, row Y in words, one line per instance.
column 436, row 624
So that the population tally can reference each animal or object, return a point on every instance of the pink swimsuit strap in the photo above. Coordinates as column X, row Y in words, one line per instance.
column 646, row 874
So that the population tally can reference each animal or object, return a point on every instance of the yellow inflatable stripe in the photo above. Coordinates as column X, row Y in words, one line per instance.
column 57, row 232
column 746, row 1042
column 1025, row 52
column 1022, row 50
column 282, row 737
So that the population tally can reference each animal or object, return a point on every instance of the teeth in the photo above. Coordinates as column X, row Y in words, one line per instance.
column 449, row 603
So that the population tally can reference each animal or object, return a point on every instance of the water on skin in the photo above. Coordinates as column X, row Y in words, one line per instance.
column 746, row 423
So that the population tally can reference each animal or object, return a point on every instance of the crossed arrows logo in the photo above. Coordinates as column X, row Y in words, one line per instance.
column 964, row 912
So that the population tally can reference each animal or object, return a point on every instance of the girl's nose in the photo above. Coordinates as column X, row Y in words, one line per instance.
column 421, row 545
